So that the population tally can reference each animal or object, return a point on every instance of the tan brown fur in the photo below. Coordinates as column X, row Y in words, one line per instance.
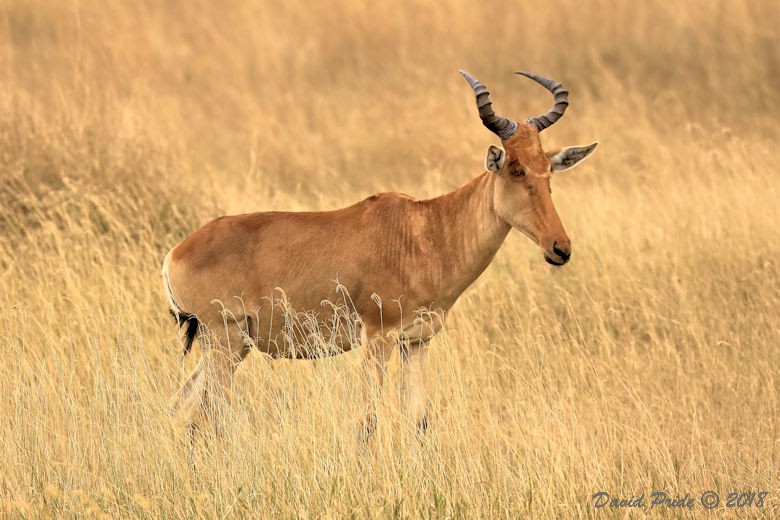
column 389, row 249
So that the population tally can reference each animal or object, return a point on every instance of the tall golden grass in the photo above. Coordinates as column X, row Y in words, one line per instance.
column 650, row 362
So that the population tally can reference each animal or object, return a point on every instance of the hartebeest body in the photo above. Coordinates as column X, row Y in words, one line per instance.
column 224, row 280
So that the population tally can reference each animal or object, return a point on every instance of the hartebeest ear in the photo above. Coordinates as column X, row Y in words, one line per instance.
column 569, row 157
column 495, row 159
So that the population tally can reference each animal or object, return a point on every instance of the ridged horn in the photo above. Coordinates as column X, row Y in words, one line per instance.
column 560, row 96
column 503, row 128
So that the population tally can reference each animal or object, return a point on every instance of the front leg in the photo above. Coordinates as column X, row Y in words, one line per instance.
column 414, row 396
column 377, row 353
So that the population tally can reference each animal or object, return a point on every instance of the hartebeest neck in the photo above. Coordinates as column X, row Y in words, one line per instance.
column 472, row 232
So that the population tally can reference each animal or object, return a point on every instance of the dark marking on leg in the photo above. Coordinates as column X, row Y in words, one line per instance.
column 422, row 424
column 368, row 427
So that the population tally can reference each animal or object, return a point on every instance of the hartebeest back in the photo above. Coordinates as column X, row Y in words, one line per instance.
column 224, row 279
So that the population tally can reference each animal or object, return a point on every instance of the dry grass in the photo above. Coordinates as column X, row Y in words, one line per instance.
column 649, row 363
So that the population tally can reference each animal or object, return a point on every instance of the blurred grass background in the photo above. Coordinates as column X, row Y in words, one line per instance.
column 649, row 363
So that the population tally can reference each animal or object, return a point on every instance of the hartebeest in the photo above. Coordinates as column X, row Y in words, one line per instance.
column 222, row 279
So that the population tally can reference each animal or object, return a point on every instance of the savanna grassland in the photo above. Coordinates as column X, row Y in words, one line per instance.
column 650, row 362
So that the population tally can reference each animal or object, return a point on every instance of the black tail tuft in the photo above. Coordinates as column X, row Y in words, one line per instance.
column 183, row 318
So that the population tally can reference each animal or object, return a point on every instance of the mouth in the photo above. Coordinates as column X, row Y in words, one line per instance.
column 553, row 262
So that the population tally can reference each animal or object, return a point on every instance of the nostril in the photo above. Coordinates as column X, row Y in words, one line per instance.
column 563, row 252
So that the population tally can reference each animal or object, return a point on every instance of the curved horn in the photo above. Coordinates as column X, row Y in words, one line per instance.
column 561, row 98
column 503, row 128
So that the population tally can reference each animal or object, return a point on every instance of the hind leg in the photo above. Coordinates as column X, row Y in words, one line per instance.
column 209, row 386
column 414, row 396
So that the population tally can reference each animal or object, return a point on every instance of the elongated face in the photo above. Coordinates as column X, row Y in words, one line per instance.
column 522, row 195
column 522, row 191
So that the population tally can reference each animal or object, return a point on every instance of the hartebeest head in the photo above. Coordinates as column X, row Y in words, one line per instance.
column 522, row 190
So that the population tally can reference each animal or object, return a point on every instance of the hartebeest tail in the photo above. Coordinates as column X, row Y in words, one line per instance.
column 235, row 279
column 187, row 321
column 191, row 323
